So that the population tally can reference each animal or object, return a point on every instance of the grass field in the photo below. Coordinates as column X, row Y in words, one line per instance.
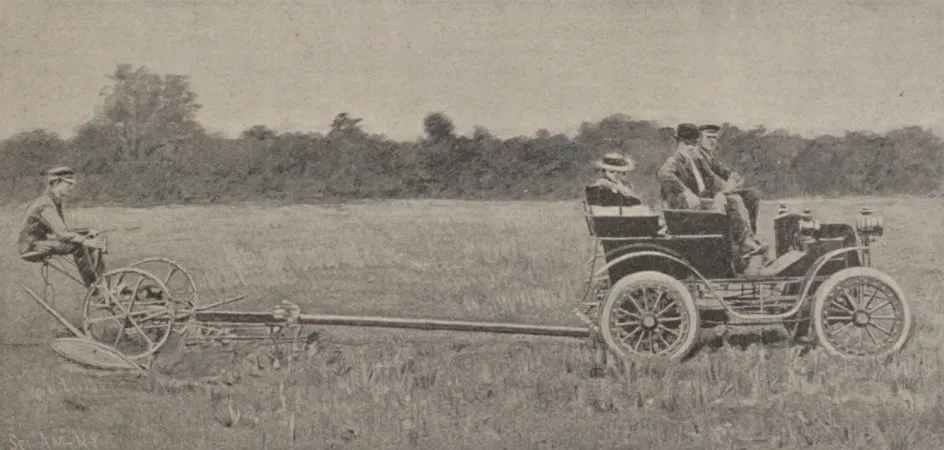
column 523, row 262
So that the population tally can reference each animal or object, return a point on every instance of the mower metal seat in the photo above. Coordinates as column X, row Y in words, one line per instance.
column 35, row 256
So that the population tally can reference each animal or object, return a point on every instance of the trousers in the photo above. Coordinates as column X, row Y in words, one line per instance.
column 742, row 225
column 751, row 199
column 89, row 261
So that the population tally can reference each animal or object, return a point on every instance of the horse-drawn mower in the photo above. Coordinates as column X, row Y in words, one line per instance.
column 664, row 277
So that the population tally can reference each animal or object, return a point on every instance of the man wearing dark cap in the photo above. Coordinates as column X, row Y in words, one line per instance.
column 690, row 180
column 679, row 182
column 45, row 233
column 732, row 181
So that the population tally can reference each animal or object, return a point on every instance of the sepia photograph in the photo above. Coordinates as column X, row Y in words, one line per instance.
column 479, row 224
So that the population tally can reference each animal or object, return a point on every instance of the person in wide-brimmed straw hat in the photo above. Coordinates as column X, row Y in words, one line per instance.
column 613, row 168
column 616, row 162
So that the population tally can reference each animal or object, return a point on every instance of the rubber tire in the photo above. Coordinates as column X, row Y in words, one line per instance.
column 819, row 304
column 687, row 302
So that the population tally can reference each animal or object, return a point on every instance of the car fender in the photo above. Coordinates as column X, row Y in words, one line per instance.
column 643, row 247
column 646, row 250
column 819, row 263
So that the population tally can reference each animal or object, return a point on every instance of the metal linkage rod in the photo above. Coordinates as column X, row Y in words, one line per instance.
column 54, row 313
column 247, row 318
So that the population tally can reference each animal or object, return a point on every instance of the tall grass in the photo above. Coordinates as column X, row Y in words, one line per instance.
column 478, row 261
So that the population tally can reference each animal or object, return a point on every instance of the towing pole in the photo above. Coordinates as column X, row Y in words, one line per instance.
column 268, row 318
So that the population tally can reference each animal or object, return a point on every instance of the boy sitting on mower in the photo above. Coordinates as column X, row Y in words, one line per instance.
column 45, row 232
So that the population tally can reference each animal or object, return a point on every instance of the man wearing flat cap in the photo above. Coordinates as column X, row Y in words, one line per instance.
column 708, row 146
column 611, row 184
column 691, row 178
column 45, row 233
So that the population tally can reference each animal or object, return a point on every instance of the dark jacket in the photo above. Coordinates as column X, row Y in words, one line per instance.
column 44, row 221
column 605, row 192
column 676, row 176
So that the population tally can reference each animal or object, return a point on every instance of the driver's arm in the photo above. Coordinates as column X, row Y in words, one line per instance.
column 719, row 167
column 58, row 227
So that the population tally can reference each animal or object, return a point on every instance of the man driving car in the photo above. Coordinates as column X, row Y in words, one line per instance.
column 692, row 178
column 708, row 143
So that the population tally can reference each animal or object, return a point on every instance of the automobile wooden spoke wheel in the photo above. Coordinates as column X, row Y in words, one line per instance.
column 862, row 313
column 650, row 315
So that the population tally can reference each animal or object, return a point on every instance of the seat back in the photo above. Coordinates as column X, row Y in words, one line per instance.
column 609, row 215
column 690, row 222
column 602, row 196
column 624, row 226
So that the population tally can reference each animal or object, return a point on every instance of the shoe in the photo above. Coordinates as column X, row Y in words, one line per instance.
column 753, row 247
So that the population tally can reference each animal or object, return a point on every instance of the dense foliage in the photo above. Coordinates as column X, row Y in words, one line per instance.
column 145, row 146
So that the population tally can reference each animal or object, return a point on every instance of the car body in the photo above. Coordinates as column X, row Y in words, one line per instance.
column 666, row 274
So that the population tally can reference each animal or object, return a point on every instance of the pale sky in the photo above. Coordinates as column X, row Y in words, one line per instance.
column 511, row 66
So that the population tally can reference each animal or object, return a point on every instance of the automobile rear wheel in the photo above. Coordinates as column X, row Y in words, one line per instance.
column 650, row 315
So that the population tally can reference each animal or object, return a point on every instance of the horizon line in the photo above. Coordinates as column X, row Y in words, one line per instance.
column 571, row 131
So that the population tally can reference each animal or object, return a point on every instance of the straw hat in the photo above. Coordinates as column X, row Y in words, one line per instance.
column 617, row 162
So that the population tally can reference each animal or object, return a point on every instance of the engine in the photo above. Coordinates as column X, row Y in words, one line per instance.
column 795, row 231
column 801, row 231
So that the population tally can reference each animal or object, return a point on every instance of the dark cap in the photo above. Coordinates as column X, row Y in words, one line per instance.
column 60, row 174
column 686, row 132
column 709, row 127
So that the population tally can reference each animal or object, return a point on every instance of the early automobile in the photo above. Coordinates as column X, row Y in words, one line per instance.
column 667, row 274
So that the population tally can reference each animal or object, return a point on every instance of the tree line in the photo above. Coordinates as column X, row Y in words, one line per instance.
column 145, row 146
